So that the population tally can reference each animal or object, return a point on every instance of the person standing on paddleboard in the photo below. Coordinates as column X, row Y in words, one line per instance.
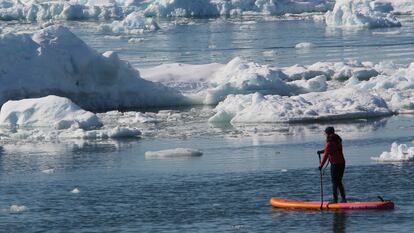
column 333, row 152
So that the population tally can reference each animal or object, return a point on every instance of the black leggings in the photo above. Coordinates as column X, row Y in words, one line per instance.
column 337, row 172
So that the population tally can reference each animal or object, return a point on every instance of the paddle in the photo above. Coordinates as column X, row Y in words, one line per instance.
column 321, row 174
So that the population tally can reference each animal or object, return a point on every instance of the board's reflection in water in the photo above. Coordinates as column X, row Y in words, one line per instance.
column 339, row 222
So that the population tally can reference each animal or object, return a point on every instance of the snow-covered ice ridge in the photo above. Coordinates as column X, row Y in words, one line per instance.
column 54, row 61
column 213, row 8
column 333, row 105
column 41, row 10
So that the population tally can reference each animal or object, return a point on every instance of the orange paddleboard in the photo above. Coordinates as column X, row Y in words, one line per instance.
column 290, row 204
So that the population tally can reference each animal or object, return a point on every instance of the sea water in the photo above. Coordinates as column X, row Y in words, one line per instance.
column 110, row 186
column 227, row 189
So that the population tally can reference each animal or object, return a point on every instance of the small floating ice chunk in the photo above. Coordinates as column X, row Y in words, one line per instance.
column 16, row 209
column 397, row 153
column 387, row 33
column 305, row 45
column 283, row 170
column 269, row 53
column 174, row 153
column 136, row 40
column 75, row 191
column 48, row 171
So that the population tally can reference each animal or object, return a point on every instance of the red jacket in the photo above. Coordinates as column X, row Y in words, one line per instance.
column 333, row 150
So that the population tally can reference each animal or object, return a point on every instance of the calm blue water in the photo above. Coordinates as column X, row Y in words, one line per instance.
column 225, row 190
column 264, row 41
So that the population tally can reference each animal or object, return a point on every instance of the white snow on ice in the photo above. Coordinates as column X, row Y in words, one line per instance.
column 335, row 104
column 55, row 111
column 17, row 209
column 174, row 153
column 41, row 10
column 361, row 13
column 213, row 8
column 54, row 61
column 75, row 191
column 45, row 10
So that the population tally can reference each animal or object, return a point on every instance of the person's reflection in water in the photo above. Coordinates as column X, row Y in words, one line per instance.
column 339, row 222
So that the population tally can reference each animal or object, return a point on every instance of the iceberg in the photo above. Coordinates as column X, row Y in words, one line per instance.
column 330, row 105
column 361, row 13
column 54, row 61
column 397, row 153
column 43, row 112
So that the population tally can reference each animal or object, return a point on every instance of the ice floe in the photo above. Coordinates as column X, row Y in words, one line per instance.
column 54, row 61
column 48, row 171
column 75, row 191
column 398, row 152
column 304, row 45
column 361, row 13
column 17, row 209
column 329, row 105
column 174, row 153
column 48, row 111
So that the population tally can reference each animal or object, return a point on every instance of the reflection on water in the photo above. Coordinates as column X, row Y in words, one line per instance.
column 339, row 222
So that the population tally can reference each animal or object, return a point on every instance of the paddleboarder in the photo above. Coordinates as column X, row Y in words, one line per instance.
column 333, row 152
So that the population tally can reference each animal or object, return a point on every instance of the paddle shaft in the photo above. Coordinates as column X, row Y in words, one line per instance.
column 321, row 175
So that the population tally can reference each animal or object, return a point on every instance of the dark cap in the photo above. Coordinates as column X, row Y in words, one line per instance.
column 329, row 130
